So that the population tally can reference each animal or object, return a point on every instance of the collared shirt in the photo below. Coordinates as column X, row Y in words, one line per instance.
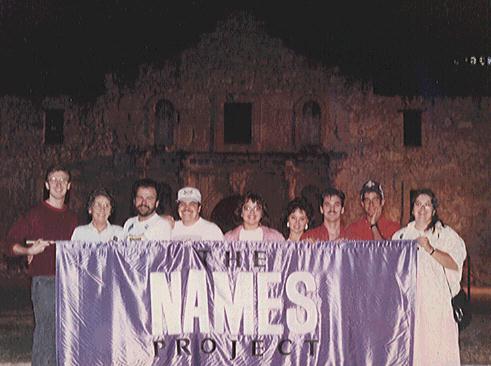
column 200, row 230
column 321, row 233
column 90, row 233
column 153, row 228
column 360, row 230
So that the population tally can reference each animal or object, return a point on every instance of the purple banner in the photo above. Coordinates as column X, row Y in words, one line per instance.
column 236, row 303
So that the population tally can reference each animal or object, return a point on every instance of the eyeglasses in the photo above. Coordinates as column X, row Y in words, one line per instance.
column 252, row 208
column 102, row 206
column 426, row 205
column 61, row 180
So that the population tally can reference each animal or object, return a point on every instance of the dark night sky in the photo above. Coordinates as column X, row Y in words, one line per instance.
column 404, row 47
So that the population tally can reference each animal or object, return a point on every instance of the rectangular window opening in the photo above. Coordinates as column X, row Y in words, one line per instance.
column 412, row 127
column 53, row 126
column 237, row 127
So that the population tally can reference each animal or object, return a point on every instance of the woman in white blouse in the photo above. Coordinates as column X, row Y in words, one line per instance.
column 440, row 259
column 99, row 206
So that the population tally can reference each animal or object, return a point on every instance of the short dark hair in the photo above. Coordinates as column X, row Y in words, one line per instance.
column 331, row 191
column 256, row 198
column 100, row 192
column 434, row 203
column 145, row 183
column 57, row 168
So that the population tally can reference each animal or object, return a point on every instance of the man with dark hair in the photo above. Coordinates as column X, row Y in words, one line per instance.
column 34, row 236
column 331, row 207
column 147, row 225
column 192, row 226
column 373, row 226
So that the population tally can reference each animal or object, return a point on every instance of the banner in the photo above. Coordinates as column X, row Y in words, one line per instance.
column 235, row 303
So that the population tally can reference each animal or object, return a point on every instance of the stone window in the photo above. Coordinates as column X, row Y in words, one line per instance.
column 165, row 120
column 237, row 123
column 53, row 126
column 309, row 128
column 412, row 127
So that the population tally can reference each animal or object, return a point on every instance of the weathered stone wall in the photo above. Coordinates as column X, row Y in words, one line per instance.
column 111, row 141
column 453, row 161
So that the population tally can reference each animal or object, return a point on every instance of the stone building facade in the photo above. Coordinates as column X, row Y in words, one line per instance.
column 239, row 111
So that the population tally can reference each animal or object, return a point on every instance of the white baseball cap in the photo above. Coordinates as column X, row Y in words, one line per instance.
column 372, row 186
column 189, row 194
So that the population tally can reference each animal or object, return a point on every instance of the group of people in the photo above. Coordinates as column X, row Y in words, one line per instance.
column 372, row 226
column 440, row 256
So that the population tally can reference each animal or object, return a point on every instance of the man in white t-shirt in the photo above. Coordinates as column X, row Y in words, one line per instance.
column 147, row 225
column 192, row 226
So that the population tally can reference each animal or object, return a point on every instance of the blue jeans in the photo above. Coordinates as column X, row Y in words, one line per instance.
column 43, row 303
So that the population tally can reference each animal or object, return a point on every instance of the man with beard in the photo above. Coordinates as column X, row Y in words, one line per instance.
column 33, row 235
column 192, row 226
column 373, row 226
column 331, row 208
column 147, row 225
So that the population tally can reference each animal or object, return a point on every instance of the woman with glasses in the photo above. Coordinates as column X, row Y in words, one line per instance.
column 441, row 255
column 253, row 211
column 100, row 207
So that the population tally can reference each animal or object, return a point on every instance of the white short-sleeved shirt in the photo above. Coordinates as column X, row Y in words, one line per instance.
column 153, row 228
column 200, row 230
column 90, row 233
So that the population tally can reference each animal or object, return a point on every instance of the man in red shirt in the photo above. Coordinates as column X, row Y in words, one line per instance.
column 34, row 236
column 331, row 207
column 373, row 226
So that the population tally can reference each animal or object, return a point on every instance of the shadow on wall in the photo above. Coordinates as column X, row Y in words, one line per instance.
column 223, row 213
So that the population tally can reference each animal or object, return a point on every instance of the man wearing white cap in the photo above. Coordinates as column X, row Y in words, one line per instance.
column 192, row 226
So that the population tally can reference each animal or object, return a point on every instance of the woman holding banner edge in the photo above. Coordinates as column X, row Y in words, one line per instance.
column 440, row 259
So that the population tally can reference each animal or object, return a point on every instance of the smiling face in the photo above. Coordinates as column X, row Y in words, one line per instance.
column 423, row 210
column 145, row 201
column 100, row 210
column 297, row 222
column 58, row 184
column 252, row 214
column 371, row 203
column 332, row 209
column 188, row 212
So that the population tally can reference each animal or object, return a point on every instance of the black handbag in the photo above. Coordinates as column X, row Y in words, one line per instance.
column 461, row 307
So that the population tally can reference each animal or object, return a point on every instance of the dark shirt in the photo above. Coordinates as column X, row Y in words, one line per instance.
column 42, row 222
